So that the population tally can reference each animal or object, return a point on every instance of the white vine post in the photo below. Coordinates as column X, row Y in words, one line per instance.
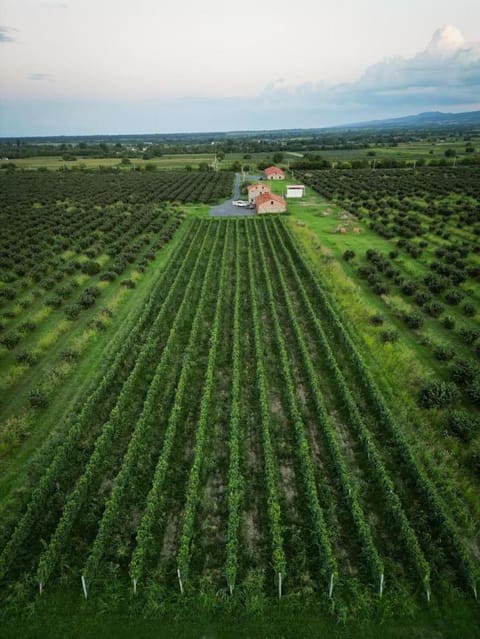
column 475, row 591
column 134, row 586
column 330, row 588
column 381, row 585
column 279, row 585
column 428, row 595
column 231, row 589
column 40, row 587
column 84, row 587
column 180, row 580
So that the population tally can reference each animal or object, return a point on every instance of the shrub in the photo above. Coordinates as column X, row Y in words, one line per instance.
column 8, row 293
column 443, row 353
column 437, row 394
column 90, row 267
column 473, row 458
column 434, row 309
column 435, row 283
column 128, row 283
column 348, row 255
column 453, row 297
column 10, row 340
column 27, row 326
column 73, row 311
column 473, row 392
column 55, row 301
column 97, row 324
column 462, row 424
column 88, row 297
column 422, row 298
column 413, row 320
column 389, row 336
column 376, row 320
column 108, row 276
column 469, row 335
column 463, row 372
column 468, row 309
column 448, row 322
column 37, row 398
column 65, row 291
column 70, row 355
column 25, row 357
column 380, row 289
column 409, row 287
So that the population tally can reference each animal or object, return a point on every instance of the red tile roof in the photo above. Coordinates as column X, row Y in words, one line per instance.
column 258, row 184
column 266, row 197
column 272, row 170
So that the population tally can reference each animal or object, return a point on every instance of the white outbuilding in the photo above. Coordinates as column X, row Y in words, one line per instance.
column 295, row 190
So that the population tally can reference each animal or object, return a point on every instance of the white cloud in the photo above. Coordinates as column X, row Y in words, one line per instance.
column 6, row 34
column 445, row 74
column 40, row 76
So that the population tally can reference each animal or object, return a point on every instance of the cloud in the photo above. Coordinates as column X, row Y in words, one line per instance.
column 40, row 76
column 6, row 34
column 445, row 75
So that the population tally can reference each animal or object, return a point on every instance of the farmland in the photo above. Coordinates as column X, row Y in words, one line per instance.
column 234, row 446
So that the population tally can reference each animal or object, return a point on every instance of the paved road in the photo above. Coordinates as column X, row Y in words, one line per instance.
column 226, row 209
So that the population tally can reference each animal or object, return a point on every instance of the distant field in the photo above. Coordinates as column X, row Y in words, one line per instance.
column 173, row 161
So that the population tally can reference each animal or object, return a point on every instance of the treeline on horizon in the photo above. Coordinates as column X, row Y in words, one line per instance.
column 153, row 146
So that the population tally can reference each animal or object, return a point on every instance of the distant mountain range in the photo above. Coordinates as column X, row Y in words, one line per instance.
column 421, row 120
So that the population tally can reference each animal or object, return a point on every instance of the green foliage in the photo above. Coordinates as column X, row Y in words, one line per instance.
column 38, row 398
column 437, row 394
column 462, row 424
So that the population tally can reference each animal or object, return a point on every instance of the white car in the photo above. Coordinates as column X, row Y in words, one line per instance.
column 239, row 203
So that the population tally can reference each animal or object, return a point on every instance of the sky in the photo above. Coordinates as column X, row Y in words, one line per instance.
column 77, row 67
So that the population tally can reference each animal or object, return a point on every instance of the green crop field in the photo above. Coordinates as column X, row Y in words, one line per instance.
column 261, row 425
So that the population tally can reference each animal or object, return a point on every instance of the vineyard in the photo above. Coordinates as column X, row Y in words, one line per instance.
column 236, row 442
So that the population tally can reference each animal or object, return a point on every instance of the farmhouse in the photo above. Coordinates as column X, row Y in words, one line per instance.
column 270, row 203
column 254, row 190
column 295, row 190
column 274, row 173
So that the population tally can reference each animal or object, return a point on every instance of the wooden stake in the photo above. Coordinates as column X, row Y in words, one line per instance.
column 84, row 587
column 180, row 580
column 330, row 589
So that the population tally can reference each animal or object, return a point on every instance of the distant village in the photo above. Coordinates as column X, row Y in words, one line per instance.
column 261, row 198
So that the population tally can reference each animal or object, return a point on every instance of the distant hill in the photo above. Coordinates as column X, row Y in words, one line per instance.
column 421, row 120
